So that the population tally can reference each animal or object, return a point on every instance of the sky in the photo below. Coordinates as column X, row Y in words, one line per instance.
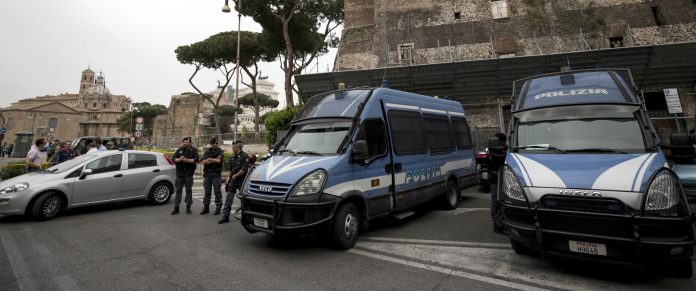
column 47, row 44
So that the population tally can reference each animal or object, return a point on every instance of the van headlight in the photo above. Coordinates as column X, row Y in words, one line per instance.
column 310, row 184
column 664, row 193
column 510, row 188
column 15, row 188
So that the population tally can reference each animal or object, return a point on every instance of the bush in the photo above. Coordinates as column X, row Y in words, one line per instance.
column 12, row 170
column 278, row 120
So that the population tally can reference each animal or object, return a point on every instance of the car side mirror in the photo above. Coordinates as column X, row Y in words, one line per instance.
column 360, row 152
column 85, row 173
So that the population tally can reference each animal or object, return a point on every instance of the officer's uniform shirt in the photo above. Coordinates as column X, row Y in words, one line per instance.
column 186, row 169
column 238, row 162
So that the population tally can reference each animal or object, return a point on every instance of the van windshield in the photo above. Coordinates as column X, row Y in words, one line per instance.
column 334, row 104
column 581, row 135
column 316, row 138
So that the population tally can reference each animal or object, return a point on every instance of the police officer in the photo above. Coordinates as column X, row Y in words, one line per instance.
column 185, row 158
column 497, row 149
column 238, row 169
column 212, row 173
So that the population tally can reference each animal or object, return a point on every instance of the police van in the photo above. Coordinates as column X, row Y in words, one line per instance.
column 585, row 176
column 354, row 155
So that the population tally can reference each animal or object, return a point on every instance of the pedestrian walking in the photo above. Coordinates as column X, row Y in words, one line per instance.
column 497, row 149
column 212, row 176
column 33, row 159
column 185, row 158
column 238, row 169
column 2, row 149
column 65, row 153
column 8, row 150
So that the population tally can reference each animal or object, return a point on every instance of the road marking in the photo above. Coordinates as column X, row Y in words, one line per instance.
column 471, row 276
column 19, row 267
column 439, row 242
column 457, row 211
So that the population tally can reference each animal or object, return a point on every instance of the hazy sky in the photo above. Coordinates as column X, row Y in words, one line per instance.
column 46, row 44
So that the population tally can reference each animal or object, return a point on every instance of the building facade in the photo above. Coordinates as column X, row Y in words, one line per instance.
column 93, row 111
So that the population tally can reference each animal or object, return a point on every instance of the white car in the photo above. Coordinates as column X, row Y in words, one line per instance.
column 101, row 177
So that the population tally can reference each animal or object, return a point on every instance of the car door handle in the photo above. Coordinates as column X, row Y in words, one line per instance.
column 119, row 175
column 156, row 170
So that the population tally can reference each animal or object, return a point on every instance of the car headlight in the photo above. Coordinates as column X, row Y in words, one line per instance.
column 664, row 193
column 15, row 188
column 310, row 184
column 510, row 189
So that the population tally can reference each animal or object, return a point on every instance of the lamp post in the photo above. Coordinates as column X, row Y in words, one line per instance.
column 226, row 9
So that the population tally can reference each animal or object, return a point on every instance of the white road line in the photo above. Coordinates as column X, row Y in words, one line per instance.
column 19, row 267
column 471, row 276
column 439, row 242
column 65, row 282
column 457, row 211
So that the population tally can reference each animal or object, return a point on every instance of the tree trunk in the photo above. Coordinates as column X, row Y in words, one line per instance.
column 289, row 64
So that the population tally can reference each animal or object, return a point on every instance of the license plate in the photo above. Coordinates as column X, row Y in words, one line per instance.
column 484, row 175
column 260, row 222
column 587, row 248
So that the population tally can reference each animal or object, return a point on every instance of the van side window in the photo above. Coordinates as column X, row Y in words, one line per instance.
column 372, row 131
column 439, row 133
column 407, row 132
column 462, row 132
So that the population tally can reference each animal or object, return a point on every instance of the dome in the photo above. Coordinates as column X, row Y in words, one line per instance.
column 98, row 89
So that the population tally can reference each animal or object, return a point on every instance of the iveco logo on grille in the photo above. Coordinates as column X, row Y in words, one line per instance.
column 265, row 188
column 574, row 192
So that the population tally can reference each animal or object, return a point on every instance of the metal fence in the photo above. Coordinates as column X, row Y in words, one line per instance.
column 170, row 142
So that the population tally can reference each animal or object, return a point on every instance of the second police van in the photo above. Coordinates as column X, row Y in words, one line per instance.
column 354, row 155
column 586, row 178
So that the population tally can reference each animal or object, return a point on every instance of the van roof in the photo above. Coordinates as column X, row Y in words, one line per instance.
column 600, row 86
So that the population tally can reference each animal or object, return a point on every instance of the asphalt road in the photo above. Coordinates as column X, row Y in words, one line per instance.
column 135, row 246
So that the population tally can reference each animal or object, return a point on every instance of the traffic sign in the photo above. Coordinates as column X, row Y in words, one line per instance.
column 138, row 133
column 50, row 137
column 51, row 129
column 139, row 119
column 138, row 126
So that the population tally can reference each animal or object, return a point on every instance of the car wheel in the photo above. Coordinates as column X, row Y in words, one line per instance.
column 47, row 206
column 450, row 200
column 521, row 249
column 345, row 226
column 160, row 193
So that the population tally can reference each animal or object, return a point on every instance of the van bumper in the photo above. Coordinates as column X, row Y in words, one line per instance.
column 285, row 214
column 629, row 239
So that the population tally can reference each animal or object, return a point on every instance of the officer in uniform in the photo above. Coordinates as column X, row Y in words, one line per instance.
column 185, row 158
column 238, row 169
column 497, row 150
column 212, row 173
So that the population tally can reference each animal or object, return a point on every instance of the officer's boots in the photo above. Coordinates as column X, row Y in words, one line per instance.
column 176, row 210
column 205, row 210
column 188, row 209
column 217, row 211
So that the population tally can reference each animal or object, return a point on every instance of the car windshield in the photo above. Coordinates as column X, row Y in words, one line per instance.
column 581, row 135
column 316, row 138
column 69, row 164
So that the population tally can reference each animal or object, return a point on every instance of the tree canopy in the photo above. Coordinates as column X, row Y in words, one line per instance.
column 144, row 109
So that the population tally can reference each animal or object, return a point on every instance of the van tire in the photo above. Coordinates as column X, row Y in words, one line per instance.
column 346, row 225
column 452, row 196
column 47, row 206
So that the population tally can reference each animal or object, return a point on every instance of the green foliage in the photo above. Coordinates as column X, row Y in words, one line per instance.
column 144, row 109
column 264, row 102
column 245, row 133
column 12, row 170
column 278, row 120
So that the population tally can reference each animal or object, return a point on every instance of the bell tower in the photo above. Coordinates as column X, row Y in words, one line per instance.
column 87, row 80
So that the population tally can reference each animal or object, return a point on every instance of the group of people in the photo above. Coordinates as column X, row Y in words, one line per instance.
column 6, row 150
column 186, row 158
column 56, row 152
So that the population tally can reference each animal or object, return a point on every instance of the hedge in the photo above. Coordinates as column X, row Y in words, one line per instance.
column 12, row 170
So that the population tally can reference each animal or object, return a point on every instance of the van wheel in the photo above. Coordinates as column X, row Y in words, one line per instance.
column 345, row 226
column 160, row 193
column 450, row 200
column 47, row 206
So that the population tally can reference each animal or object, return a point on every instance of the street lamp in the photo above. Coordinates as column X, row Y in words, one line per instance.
column 226, row 9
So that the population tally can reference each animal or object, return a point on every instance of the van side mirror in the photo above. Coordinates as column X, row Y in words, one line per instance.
column 85, row 173
column 360, row 152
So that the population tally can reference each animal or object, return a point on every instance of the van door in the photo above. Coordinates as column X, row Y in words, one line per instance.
column 371, row 177
column 410, row 162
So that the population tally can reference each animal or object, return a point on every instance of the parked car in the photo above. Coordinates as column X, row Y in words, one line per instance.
column 683, row 156
column 90, row 179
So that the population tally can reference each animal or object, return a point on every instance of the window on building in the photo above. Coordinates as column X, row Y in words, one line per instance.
column 462, row 133
column 499, row 9
column 104, row 105
column 439, row 133
column 9, row 124
column 457, row 15
column 408, row 134
column 657, row 16
column 656, row 104
column 94, row 104
column 53, row 122
column 405, row 53
column 616, row 41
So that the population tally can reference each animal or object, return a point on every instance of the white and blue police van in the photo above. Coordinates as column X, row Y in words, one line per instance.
column 354, row 155
column 585, row 176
